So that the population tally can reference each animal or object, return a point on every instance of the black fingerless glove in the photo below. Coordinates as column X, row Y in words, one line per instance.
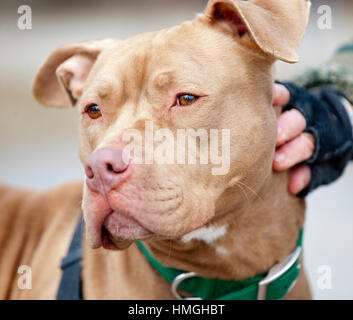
column 328, row 120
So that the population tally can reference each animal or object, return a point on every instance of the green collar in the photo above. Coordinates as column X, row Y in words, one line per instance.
column 271, row 286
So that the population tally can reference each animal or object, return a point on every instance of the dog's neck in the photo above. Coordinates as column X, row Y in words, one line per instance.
column 246, row 241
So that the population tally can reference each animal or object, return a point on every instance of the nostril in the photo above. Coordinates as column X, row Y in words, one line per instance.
column 110, row 167
column 89, row 172
column 116, row 169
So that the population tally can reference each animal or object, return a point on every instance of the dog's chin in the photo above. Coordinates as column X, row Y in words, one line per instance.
column 120, row 231
column 110, row 243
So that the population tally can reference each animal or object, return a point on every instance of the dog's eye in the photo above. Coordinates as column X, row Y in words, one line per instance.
column 93, row 112
column 185, row 100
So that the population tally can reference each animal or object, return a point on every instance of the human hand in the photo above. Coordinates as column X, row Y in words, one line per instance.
column 294, row 146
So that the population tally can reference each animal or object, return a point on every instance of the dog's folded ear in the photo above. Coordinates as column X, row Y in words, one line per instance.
column 60, row 80
column 276, row 26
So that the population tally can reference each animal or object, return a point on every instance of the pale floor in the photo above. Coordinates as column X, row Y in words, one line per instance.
column 39, row 146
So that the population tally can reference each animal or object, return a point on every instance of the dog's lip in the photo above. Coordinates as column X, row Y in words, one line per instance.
column 112, row 228
column 122, row 227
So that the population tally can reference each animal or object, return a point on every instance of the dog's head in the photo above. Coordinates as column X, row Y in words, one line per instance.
column 173, row 121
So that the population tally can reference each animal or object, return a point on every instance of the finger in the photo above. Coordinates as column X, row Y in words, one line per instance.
column 290, row 125
column 294, row 152
column 300, row 178
column 281, row 95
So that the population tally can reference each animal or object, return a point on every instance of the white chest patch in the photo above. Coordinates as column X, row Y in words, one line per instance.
column 206, row 234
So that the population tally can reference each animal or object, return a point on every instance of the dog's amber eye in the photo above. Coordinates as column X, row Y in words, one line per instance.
column 185, row 100
column 93, row 112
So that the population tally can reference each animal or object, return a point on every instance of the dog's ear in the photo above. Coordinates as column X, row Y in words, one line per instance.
column 60, row 80
column 276, row 26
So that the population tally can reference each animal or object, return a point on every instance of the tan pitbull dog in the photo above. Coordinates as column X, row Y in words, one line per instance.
column 215, row 72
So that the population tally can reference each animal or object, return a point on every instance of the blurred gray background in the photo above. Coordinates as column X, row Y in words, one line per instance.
column 38, row 147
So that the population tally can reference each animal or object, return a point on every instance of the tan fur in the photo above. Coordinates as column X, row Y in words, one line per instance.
column 134, row 80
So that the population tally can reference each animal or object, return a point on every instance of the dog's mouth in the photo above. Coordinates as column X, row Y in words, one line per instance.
column 118, row 231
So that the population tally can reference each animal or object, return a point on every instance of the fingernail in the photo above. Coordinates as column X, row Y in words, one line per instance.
column 301, row 186
column 279, row 158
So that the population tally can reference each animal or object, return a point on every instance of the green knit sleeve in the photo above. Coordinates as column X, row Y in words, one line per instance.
column 336, row 74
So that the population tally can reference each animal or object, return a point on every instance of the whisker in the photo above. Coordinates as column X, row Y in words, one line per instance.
column 243, row 192
column 250, row 189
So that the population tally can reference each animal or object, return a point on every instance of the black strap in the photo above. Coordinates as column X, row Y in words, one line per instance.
column 328, row 121
column 71, row 284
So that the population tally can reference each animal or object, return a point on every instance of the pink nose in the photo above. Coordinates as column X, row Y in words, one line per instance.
column 104, row 168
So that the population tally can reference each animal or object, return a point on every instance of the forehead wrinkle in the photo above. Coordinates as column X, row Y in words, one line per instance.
column 109, row 91
column 182, row 66
column 141, row 60
column 163, row 80
column 138, row 75
column 104, row 91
